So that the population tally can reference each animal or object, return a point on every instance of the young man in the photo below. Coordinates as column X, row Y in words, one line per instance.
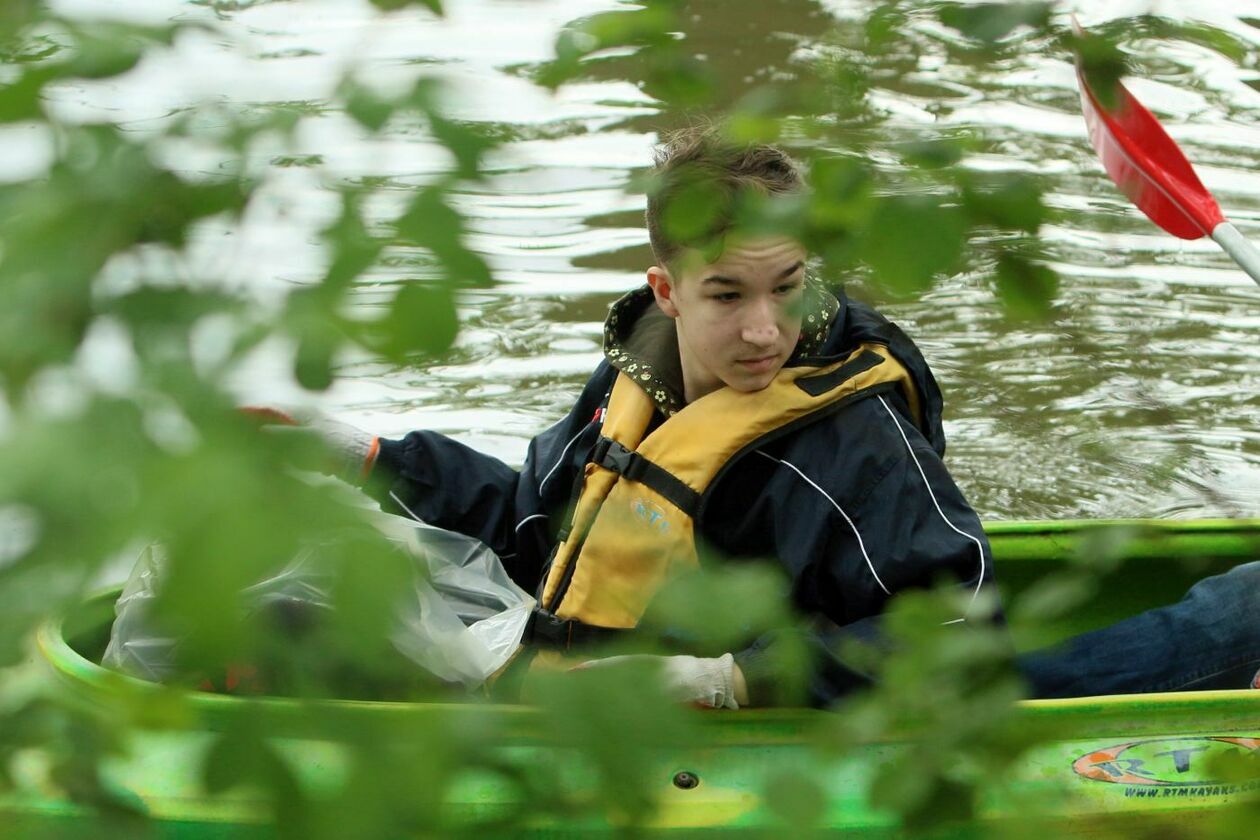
column 742, row 411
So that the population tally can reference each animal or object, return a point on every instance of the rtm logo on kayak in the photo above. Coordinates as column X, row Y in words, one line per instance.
column 651, row 514
column 1183, row 766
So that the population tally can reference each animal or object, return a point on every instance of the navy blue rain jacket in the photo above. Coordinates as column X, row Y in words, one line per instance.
column 855, row 507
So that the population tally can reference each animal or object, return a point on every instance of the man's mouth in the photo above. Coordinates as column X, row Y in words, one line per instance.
column 759, row 364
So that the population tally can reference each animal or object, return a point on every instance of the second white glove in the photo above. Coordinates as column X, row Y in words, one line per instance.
column 708, row 682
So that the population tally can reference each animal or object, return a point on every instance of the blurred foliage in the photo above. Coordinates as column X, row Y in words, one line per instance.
column 91, row 471
column 953, row 689
column 868, row 195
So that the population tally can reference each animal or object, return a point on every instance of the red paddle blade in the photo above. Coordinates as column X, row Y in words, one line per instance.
column 1147, row 165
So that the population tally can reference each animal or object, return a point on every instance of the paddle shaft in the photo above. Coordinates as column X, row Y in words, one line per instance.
column 1150, row 168
column 1243, row 252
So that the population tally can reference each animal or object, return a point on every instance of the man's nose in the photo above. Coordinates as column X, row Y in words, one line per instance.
column 761, row 328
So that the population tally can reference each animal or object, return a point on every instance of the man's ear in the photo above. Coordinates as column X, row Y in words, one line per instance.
column 663, row 289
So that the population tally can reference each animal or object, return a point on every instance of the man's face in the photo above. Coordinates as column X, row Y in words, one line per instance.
column 739, row 318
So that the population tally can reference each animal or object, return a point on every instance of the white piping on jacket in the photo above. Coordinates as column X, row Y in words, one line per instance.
column 554, row 467
column 936, row 504
column 410, row 512
column 560, row 460
column 550, row 472
column 526, row 519
column 861, row 545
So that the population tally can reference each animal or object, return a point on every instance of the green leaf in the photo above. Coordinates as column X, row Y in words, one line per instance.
column 376, row 576
column 312, row 319
column 34, row 50
column 227, row 763
column 759, row 214
column 1104, row 549
column 1234, row 766
column 102, row 58
column 434, row 6
column 693, row 210
column 464, row 140
column 645, row 27
column 366, row 108
column 16, row 15
column 884, row 25
column 619, row 720
column 680, row 79
column 430, row 222
column 242, row 757
column 354, row 248
column 757, row 116
column 796, row 797
column 1053, row 597
column 696, row 607
column 842, row 195
column 1237, row 49
column 422, row 318
column 22, row 99
column 173, row 205
column 312, row 364
column 910, row 240
column 1007, row 202
column 901, row 789
column 932, row 154
column 1102, row 63
column 1026, row 288
column 991, row 22
column 163, row 314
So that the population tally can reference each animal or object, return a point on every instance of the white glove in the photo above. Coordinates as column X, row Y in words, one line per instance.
column 688, row 679
column 351, row 450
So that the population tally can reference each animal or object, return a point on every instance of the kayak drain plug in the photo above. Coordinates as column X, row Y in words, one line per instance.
column 686, row 780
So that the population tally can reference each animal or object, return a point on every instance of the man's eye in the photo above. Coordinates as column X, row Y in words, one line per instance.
column 788, row 288
column 727, row 297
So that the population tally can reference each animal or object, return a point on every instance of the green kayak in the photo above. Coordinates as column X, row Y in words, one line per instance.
column 1133, row 763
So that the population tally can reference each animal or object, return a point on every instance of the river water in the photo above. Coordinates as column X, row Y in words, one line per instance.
column 1136, row 397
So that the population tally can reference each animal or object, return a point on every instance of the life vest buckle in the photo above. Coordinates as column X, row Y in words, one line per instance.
column 545, row 629
column 611, row 455
column 630, row 465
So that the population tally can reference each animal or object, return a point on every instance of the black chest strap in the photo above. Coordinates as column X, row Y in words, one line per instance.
column 547, row 630
column 611, row 455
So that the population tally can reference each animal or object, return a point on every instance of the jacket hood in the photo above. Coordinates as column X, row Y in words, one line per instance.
column 641, row 341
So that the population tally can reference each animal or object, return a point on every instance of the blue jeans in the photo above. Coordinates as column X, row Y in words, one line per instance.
column 1209, row 639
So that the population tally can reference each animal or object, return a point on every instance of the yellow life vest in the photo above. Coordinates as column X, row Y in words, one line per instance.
column 633, row 524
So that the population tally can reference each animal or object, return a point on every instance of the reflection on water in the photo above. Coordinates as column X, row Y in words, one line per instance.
column 1136, row 398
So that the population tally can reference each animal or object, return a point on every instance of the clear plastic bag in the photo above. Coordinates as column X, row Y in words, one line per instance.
column 462, row 623
column 468, row 616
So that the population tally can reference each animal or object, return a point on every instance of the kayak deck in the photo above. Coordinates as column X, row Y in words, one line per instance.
column 1135, row 761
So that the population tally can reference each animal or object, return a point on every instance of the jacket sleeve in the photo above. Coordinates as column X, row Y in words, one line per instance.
column 431, row 477
column 879, row 515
